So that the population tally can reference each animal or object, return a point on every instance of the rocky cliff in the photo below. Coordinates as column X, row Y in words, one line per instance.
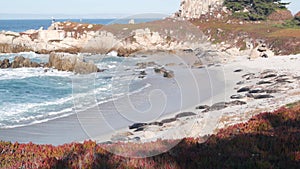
column 193, row 9
column 125, row 39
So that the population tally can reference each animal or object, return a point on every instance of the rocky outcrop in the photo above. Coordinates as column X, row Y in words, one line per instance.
column 19, row 61
column 193, row 9
column 261, row 51
column 60, row 61
column 73, row 63
column 280, row 15
column 76, row 37
column 166, row 73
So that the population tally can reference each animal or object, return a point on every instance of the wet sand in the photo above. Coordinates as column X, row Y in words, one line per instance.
column 163, row 98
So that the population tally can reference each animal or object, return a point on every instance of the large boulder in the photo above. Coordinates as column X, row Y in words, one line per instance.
column 20, row 61
column 73, row 63
column 193, row 9
column 5, row 64
column 261, row 51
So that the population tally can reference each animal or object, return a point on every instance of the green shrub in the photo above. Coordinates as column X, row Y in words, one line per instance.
column 258, row 9
column 294, row 23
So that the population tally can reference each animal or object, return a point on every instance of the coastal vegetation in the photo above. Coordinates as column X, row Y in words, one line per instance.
column 268, row 140
column 276, row 28
column 293, row 23
column 254, row 9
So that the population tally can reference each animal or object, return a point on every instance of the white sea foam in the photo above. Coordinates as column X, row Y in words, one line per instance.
column 22, row 73
column 36, row 121
column 30, row 55
column 12, row 110
column 104, row 90
column 15, row 112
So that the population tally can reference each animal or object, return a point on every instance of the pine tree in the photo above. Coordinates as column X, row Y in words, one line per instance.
column 254, row 9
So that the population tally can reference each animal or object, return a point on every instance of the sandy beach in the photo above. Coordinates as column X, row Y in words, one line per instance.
column 166, row 98
column 104, row 120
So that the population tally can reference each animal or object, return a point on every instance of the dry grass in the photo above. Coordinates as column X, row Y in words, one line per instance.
column 289, row 32
column 280, row 39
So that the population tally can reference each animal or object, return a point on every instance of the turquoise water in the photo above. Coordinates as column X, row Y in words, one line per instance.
column 33, row 95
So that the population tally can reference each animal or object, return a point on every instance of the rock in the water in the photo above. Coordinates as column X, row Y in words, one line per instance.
column 197, row 64
column 18, row 62
column 137, row 125
column 34, row 64
column 169, row 74
column 5, row 64
column 170, row 64
column 243, row 89
column 166, row 73
column 68, row 62
column 159, row 70
column 185, row 114
column 143, row 73
column 144, row 65
column 27, row 63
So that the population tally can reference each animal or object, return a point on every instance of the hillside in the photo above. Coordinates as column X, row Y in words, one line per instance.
column 245, row 24
column 234, row 33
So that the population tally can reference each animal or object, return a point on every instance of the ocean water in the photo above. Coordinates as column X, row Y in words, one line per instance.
column 36, row 95
column 23, row 25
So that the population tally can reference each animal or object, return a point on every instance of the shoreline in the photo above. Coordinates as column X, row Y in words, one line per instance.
column 204, row 123
column 75, row 132
column 70, row 124
column 83, row 126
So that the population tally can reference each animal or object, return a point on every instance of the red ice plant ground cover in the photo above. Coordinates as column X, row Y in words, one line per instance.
column 268, row 140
